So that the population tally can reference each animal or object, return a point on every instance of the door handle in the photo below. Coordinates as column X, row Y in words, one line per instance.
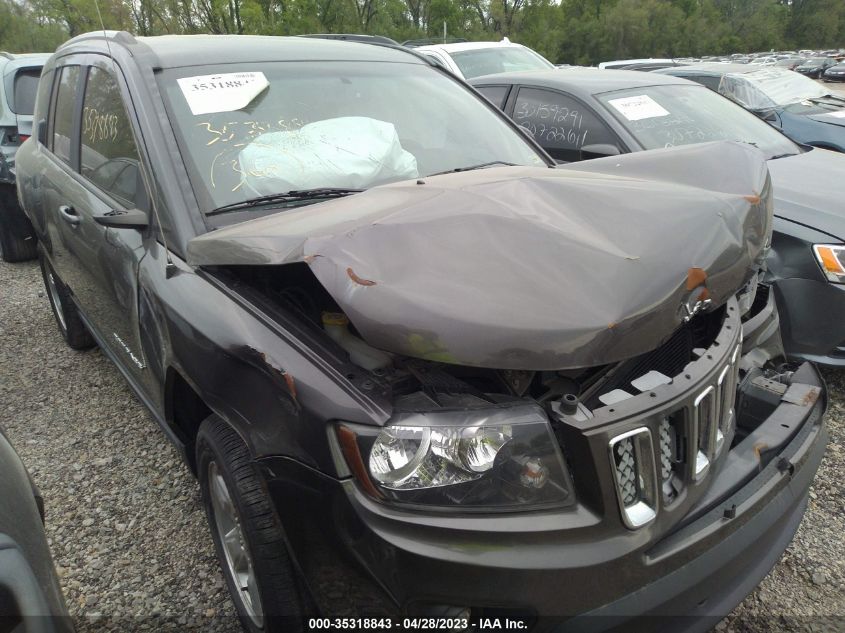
column 69, row 215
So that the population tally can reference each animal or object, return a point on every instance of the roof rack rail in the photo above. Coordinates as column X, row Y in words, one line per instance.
column 354, row 37
column 122, row 37
column 434, row 40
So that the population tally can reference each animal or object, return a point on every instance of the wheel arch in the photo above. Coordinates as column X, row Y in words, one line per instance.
column 184, row 411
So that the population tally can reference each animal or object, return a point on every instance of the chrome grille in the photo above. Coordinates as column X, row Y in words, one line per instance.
column 671, row 444
column 728, row 414
column 626, row 474
column 632, row 456
column 667, row 450
column 687, row 441
column 706, row 422
column 714, row 414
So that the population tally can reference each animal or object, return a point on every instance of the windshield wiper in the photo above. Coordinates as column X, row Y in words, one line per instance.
column 826, row 99
column 784, row 155
column 470, row 168
column 296, row 195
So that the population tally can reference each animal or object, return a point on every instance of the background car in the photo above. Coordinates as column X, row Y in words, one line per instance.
column 764, row 61
column 835, row 73
column 666, row 111
column 18, row 83
column 815, row 67
column 471, row 59
column 803, row 109
column 30, row 597
column 790, row 63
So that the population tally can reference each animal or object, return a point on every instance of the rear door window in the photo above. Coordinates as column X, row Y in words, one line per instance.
column 495, row 94
column 109, row 156
column 25, row 87
column 706, row 80
column 63, row 111
column 561, row 124
column 42, row 102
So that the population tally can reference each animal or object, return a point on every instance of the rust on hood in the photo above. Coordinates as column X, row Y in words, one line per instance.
column 696, row 277
column 525, row 267
column 358, row 280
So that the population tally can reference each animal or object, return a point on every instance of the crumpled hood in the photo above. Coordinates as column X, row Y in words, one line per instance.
column 809, row 188
column 526, row 268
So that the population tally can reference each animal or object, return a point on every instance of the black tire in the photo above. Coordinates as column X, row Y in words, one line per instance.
column 261, row 529
column 71, row 327
column 17, row 239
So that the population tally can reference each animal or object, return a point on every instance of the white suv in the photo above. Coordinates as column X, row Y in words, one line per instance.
column 474, row 59
column 19, row 75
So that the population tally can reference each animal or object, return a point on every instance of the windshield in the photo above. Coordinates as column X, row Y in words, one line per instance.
column 770, row 87
column 814, row 61
column 666, row 116
column 499, row 59
column 251, row 130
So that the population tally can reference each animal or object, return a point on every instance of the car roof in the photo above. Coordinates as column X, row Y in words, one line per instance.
column 647, row 60
column 175, row 51
column 24, row 60
column 459, row 47
column 583, row 81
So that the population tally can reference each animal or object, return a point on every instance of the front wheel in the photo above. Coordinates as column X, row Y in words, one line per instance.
column 247, row 532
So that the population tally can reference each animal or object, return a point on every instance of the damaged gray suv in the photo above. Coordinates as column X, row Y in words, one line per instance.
column 423, row 376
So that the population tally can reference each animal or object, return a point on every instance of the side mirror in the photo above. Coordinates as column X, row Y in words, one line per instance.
column 599, row 149
column 42, row 132
column 120, row 219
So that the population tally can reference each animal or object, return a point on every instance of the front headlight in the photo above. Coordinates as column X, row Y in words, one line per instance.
column 831, row 258
column 492, row 458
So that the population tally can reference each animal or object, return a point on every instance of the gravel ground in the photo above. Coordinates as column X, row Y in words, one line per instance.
column 124, row 516
column 127, row 528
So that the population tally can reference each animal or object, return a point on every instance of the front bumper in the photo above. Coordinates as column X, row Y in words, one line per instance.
column 359, row 557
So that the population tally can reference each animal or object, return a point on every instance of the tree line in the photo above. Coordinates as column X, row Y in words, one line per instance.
column 565, row 31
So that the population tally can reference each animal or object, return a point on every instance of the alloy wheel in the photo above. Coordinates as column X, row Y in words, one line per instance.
column 238, row 561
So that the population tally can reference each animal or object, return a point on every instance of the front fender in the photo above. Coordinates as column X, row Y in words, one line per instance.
column 275, row 390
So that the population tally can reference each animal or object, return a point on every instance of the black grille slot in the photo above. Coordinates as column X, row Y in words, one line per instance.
column 760, row 301
column 669, row 359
